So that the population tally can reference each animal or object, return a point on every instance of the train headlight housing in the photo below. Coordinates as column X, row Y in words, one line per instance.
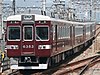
column 44, row 46
column 12, row 47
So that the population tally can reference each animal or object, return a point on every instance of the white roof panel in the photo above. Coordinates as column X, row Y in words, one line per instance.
column 18, row 17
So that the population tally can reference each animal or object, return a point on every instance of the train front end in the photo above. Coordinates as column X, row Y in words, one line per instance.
column 28, row 41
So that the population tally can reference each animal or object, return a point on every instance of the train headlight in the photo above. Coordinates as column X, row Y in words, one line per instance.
column 44, row 47
column 12, row 47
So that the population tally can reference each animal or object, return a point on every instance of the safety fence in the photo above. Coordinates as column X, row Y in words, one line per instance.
column 4, row 65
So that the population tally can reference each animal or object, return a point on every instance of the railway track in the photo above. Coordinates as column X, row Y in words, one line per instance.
column 80, row 66
column 69, row 68
column 90, row 64
column 26, row 72
column 15, row 72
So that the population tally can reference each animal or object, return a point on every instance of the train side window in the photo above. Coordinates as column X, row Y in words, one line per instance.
column 53, row 33
column 28, row 33
column 14, row 33
column 60, row 32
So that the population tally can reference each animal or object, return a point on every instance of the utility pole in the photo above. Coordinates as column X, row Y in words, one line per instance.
column 13, row 7
column 1, row 26
column 0, row 6
column 43, row 11
column 1, row 30
column 70, row 10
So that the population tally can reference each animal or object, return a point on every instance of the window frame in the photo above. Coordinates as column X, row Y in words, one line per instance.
column 24, row 33
column 48, row 33
column 8, row 33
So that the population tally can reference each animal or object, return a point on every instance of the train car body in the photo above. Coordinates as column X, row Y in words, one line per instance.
column 36, row 41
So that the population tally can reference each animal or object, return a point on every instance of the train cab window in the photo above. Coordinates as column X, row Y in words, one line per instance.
column 28, row 32
column 42, row 33
column 14, row 33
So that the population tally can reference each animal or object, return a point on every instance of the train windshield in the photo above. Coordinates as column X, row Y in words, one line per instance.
column 14, row 33
column 28, row 30
column 42, row 33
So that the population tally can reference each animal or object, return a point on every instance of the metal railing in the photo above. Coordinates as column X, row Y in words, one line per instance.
column 5, row 65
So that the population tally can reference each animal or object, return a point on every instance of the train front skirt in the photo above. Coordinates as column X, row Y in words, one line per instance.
column 41, row 66
column 14, row 64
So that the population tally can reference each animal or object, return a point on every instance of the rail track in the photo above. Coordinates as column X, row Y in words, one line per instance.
column 90, row 64
column 80, row 66
column 15, row 72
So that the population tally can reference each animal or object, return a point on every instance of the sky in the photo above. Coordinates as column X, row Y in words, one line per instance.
column 37, row 3
column 32, row 2
column 28, row 2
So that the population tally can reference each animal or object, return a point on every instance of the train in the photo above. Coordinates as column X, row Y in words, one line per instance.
column 36, row 41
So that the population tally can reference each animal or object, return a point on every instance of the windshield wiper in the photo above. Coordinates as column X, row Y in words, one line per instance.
column 38, row 37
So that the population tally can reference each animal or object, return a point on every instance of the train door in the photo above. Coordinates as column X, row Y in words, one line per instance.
column 27, row 40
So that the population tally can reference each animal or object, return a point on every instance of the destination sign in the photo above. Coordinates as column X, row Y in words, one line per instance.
column 28, row 18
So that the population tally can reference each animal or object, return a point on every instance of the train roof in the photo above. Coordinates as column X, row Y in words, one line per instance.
column 18, row 17
column 72, row 22
column 47, row 18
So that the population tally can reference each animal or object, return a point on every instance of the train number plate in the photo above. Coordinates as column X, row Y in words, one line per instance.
column 28, row 46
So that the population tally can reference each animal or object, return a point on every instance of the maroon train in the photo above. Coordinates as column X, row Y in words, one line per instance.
column 37, row 41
